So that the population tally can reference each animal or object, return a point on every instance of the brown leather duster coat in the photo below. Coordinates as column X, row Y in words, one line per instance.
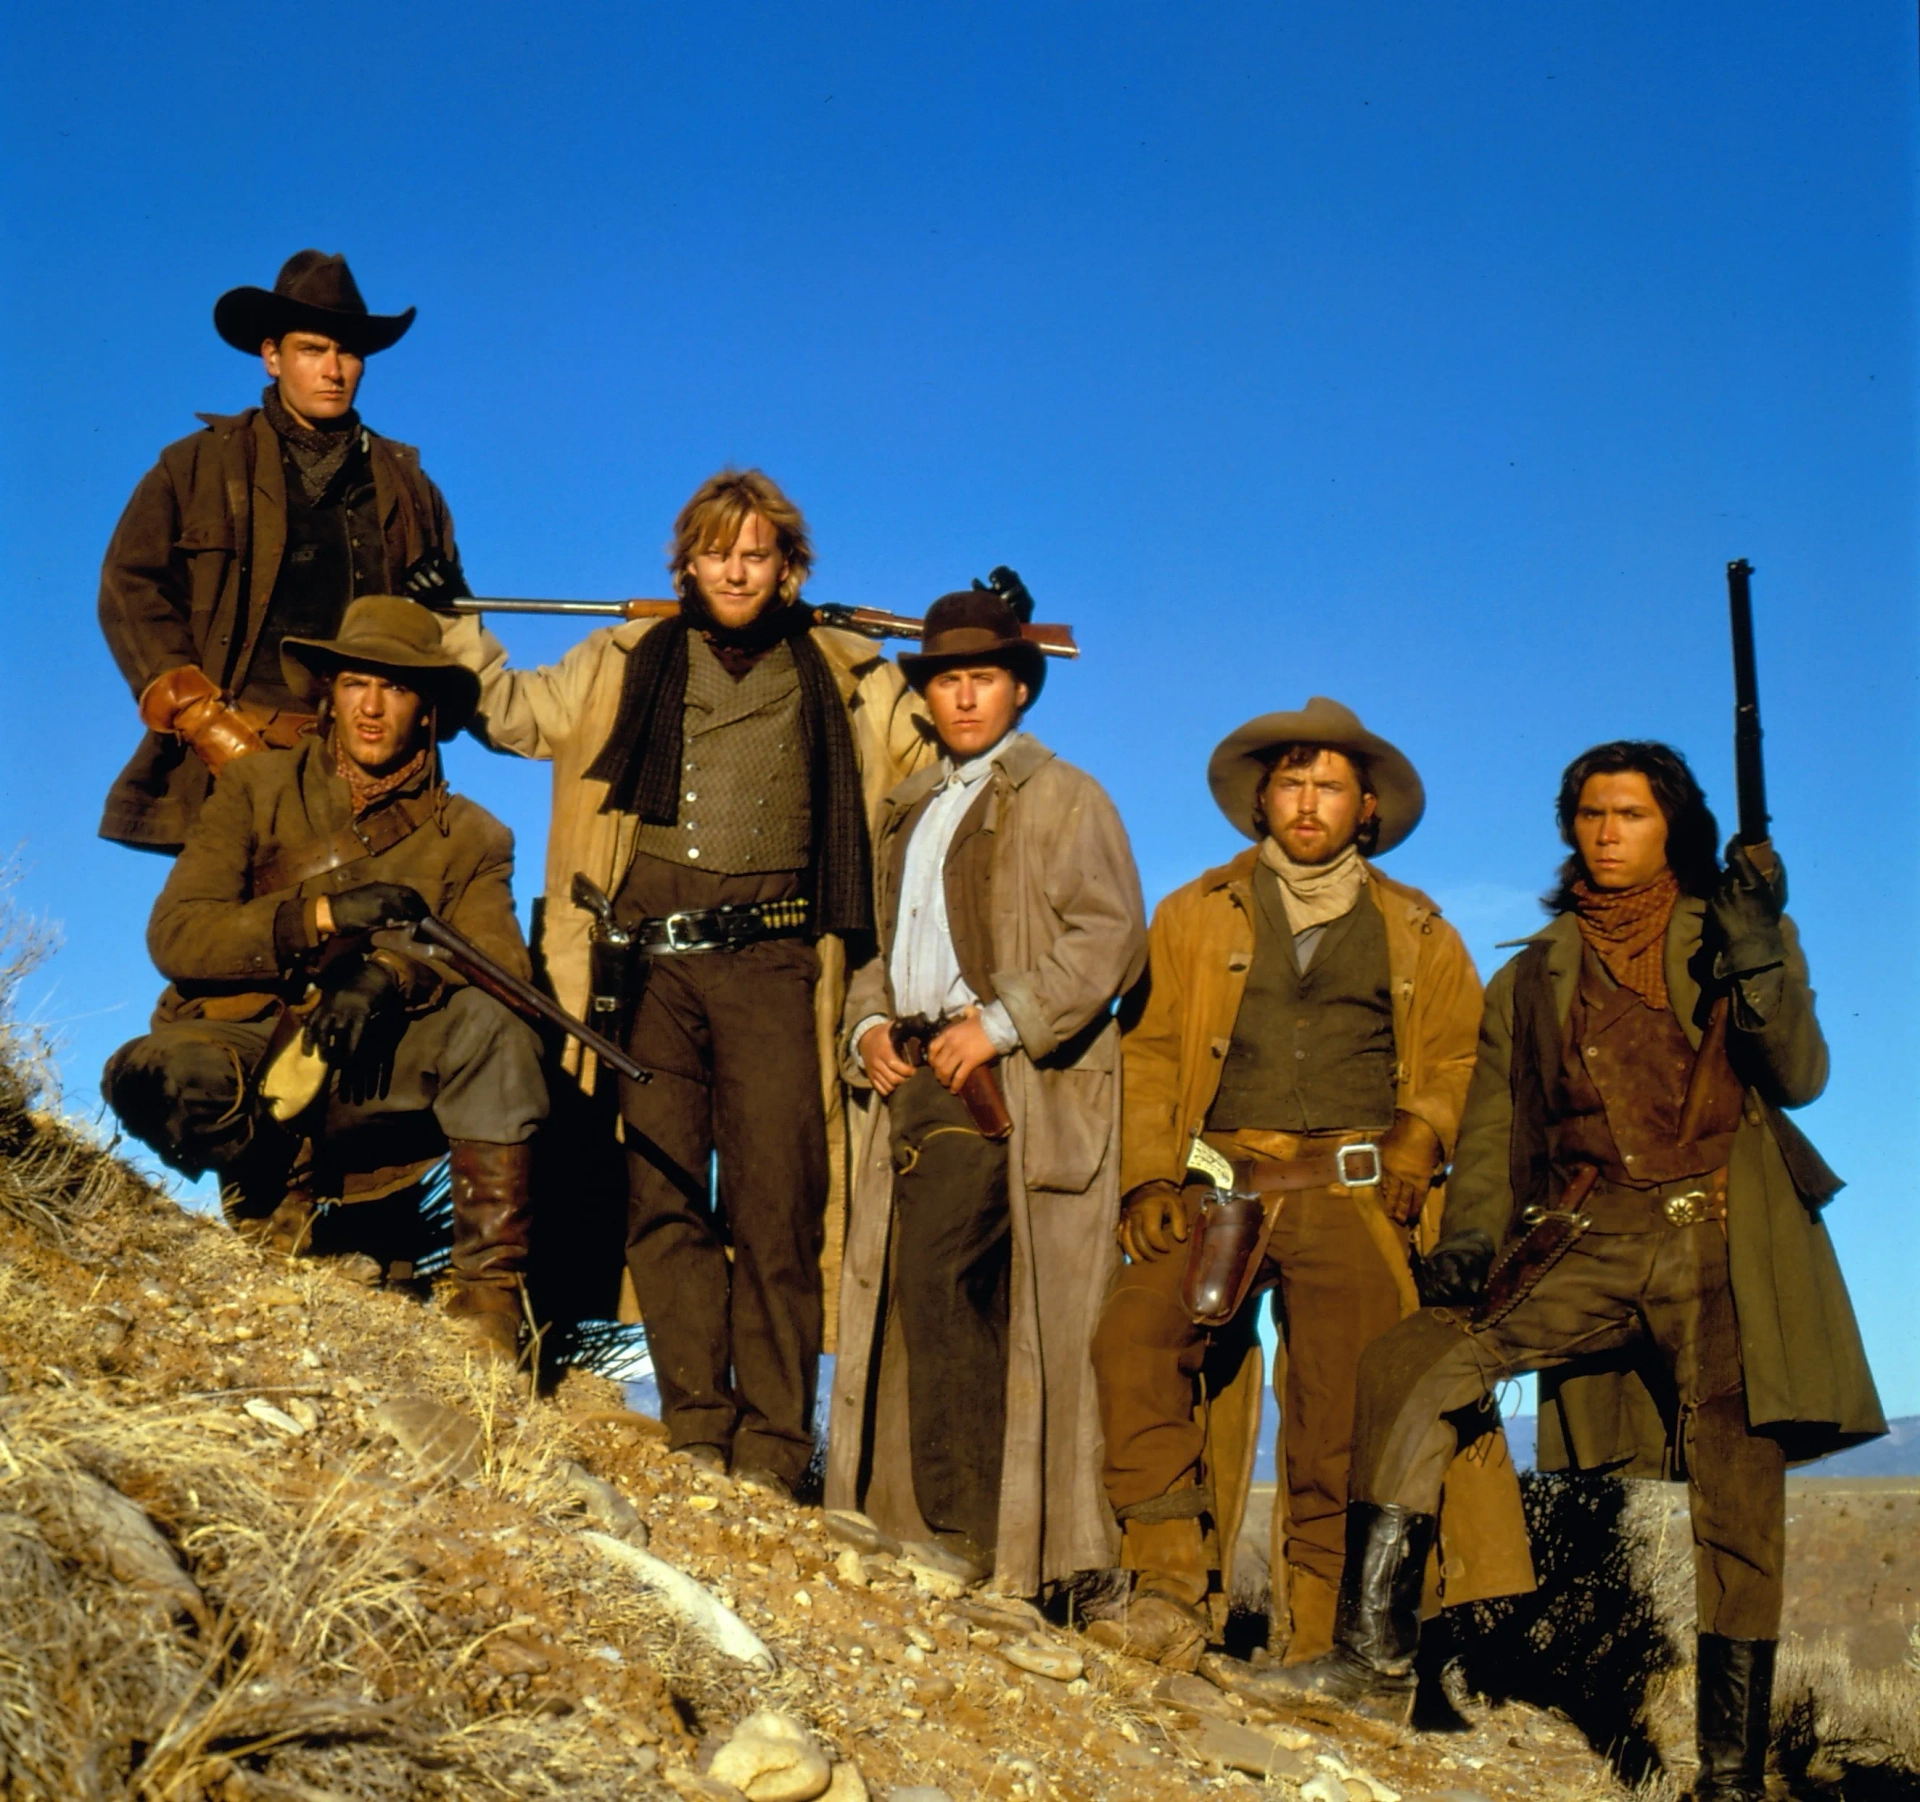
column 188, row 575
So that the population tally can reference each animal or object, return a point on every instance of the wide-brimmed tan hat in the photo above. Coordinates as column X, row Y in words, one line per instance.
column 387, row 636
column 1239, row 765
column 975, row 625
column 314, row 292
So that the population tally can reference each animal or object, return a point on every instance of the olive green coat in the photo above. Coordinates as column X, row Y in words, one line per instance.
column 1806, row 1372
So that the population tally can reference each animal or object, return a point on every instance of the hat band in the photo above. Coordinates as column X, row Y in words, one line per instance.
column 963, row 641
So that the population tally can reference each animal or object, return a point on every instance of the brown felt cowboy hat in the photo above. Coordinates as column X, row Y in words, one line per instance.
column 314, row 293
column 1238, row 767
column 386, row 636
column 971, row 627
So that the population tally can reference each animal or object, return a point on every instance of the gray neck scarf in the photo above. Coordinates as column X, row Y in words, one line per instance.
column 319, row 454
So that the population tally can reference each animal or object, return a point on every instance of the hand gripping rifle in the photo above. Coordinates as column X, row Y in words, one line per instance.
column 869, row 622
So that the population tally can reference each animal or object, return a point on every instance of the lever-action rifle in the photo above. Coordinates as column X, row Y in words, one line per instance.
column 869, row 622
column 1749, row 774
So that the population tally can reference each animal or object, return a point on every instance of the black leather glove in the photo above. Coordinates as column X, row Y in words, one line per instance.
column 436, row 581
column 1746, row 915
column 374, row 905
column 1455, row 1271
column 359, row 1009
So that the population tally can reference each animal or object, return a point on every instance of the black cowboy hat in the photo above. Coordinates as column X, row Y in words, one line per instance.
column 1239, row 764
column 314, row 293
column 386, row 636
column 971, row 627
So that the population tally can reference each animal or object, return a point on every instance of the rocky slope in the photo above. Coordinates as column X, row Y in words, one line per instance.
column 268, row 1535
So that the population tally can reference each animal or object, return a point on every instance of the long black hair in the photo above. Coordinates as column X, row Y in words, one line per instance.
column 1693, row 835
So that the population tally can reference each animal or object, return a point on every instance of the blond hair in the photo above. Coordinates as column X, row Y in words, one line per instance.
column 720, row 507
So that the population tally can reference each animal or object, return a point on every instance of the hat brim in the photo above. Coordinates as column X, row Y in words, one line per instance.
column 310, row 664
column 1238, row 768
column 1027, row 661
column 247, row 317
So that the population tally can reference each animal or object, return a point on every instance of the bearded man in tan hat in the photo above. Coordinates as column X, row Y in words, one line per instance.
column 283, row 925
column 979, row 1239
column 1304, row 1048
column 261, row 527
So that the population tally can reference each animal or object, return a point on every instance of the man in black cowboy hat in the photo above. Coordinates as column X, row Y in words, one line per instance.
column 301, row 1009
column 261, row 527
column 1306, row 1039
column 1009, row 918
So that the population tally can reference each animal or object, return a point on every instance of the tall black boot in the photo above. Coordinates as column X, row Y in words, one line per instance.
column 1735, row 1699
column 1376, row 1623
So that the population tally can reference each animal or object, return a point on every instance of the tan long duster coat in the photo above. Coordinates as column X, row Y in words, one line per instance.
column 1201, row 951
column 1068, row 933
column 565, row 711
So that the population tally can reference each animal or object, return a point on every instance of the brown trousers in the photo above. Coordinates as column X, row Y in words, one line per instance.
column 1334, row 1295
column 1613, row 1296
column 735, row 1340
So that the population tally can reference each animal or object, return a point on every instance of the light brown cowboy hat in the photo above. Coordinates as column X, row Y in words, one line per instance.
column 1239, row 764
column 388, row 636
column 313, row 293
column 976, row 625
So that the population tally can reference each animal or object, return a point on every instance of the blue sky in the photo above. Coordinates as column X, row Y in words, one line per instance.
column 1433, row 358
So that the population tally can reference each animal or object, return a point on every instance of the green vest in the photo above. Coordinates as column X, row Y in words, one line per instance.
column 1311, row 1052
column 745, row 794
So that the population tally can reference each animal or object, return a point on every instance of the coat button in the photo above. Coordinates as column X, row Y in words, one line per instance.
column 693, row 850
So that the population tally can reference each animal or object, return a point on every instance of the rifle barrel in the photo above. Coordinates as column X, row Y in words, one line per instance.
column 579, row 609
column 1749, row 770
column 510, row 989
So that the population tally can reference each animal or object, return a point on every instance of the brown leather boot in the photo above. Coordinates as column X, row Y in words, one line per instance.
column 287, row 1231
column 1163, row 1621
column 491, row 1217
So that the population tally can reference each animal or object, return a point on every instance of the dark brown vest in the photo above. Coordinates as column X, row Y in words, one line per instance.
column 1624, row 1071
column 1311, row 1052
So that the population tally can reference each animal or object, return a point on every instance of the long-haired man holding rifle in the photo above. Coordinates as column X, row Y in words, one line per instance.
column 283, row 927
column 1661, row 1259
column 714, row 775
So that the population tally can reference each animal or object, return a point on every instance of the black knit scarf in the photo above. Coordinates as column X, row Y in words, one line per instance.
column 640, row 762
column 319, row 452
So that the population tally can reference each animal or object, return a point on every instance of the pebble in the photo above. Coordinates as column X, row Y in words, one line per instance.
column 440, row 1440
column 268, row 1415
column 847, row 1785
column 850, row 1568
column 772, row 1758
column 1061, row 1663
column 304, row 1412
column 512, row 1658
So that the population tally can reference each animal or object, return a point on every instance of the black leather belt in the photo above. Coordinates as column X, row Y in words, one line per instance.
column 720, row 928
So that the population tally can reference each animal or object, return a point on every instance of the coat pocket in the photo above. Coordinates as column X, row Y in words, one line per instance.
column 1068, row 1127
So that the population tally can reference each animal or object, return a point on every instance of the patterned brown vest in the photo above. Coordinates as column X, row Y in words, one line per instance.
column 1624, row 1071
column 745, row 803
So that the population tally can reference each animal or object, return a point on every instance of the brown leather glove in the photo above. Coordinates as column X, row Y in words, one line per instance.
column 1409, row 1156
column 1154, row 1218
column 186, row 703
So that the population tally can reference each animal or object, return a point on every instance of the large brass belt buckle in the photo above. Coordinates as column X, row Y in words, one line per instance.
column 1688, row 1207
column 1358, row 1163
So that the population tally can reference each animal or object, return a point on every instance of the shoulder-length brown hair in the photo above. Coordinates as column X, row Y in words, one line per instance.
column 1693, row 835
column 720, row 507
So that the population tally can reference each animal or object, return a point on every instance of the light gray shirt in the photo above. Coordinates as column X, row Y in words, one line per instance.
column 924, row 968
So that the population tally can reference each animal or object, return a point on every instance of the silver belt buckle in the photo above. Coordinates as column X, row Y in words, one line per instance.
column 1687, row 1208
column 1358, row 1148
column 674, row 923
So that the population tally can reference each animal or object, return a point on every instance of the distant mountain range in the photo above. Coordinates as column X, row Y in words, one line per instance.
column 1897, row 1455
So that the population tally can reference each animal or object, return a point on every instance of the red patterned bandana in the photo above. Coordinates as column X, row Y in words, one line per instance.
column 367, row 790
column 1627, row 929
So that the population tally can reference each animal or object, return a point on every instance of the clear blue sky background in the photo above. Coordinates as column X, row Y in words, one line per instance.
column 1436, row 358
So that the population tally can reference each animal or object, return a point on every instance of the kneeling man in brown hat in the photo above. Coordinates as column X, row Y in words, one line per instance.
column 1302, row 1056
column 284, row 924
column 979, row 1241
column 260, row 527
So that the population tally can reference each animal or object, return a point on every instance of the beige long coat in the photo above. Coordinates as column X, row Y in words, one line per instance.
column 565, row 711
column 1201, row 951
column 1068, row 934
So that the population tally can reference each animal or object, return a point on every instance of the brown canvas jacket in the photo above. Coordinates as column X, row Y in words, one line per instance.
column 1048, row 872
column 1200, row 950
column 1806, row 1370
column 232, row 954
column 188, row 575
